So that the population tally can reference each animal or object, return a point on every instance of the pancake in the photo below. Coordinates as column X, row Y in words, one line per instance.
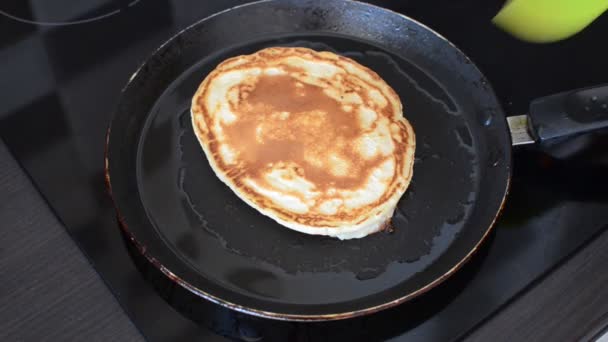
column 313, row 140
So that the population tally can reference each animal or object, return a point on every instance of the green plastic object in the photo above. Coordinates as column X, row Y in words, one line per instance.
column 545, row 21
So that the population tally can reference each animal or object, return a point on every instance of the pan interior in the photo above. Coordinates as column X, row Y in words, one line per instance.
column 235, row 248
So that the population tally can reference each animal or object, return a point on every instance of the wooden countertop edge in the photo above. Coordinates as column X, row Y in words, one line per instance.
column 570, row 303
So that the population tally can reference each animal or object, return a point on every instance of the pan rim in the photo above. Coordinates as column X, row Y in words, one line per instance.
column 282, row 315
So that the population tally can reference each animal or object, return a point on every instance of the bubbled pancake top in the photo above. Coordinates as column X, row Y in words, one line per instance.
column 304, row 136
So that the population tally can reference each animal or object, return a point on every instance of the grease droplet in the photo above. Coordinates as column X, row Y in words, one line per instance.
column 400, row 217
column 181, row 175
column 463, row 134
column 456, row 219
column 367, row 273
column 485, row 117
column 494, row 158
column 184, row 119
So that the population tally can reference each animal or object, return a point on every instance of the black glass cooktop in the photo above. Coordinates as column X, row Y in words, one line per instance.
column 65, row 62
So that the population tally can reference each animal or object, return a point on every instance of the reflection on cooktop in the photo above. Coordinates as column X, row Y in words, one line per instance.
column 44, row 13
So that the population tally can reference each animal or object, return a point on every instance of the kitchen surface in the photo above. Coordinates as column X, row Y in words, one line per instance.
column 63, row 65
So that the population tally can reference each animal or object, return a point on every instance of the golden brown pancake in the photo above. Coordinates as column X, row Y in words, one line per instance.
column 311, row 139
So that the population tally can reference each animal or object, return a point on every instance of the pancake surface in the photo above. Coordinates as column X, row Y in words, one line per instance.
column 311, row 139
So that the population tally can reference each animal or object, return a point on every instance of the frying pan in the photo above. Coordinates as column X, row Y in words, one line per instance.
column 193, row 229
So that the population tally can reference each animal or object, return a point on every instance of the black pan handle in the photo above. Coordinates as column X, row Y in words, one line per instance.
column 569, row 113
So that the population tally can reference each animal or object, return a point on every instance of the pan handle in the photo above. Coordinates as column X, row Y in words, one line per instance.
column 561, row 115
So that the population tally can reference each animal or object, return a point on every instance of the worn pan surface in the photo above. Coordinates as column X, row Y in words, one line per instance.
column 199, row 234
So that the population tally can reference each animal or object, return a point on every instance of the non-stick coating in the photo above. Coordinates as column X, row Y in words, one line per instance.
column 201, row 235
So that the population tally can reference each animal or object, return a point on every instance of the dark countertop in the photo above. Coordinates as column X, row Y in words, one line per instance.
column 48, row 288
column 569, row 303
column 557, row 205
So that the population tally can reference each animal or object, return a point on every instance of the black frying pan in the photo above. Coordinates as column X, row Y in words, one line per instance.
column 199, row 234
